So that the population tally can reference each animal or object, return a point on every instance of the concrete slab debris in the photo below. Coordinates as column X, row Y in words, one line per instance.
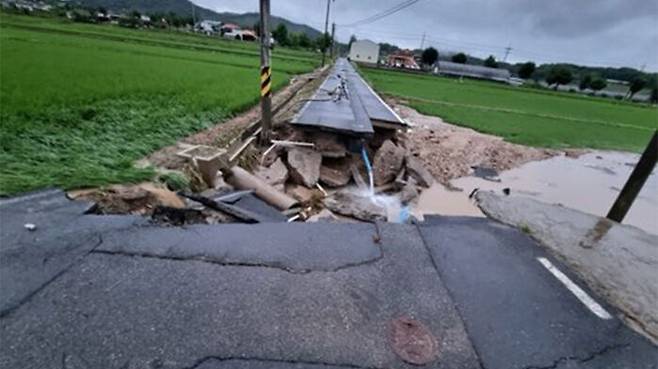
column 336, row 173
column 409, row 191
column 325, row 215
column 275, row 174
column 304, row 165
column 387, row 163
column 328, row 144
column 353, row 203
column 416, row 170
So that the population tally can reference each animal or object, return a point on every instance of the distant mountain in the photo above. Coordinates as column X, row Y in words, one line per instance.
column 186, row 7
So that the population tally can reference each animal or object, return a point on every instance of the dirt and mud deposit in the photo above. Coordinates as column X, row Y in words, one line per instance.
column 449, row 151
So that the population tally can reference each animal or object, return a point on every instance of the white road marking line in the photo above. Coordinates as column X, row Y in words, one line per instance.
column 592, row 305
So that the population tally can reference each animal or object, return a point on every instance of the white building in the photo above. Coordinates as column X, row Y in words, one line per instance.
column 364, row 51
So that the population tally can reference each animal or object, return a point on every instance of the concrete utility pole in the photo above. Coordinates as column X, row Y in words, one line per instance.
column 422, row 42
column 326, row 31
column 333, row 40
column 265, row 73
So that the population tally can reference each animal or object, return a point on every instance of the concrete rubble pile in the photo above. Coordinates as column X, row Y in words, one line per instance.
column 326, row 173
column 341, row 157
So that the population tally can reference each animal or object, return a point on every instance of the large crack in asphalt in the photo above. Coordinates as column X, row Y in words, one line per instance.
column 450, row 295
column 197, row 364
column 9, row 310
column 271, row 265
column 565, row 359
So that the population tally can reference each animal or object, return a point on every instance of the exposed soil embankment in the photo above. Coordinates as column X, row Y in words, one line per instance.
column 450, row 151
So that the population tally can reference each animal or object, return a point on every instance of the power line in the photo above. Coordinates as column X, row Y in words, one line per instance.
column 507, row 51
column 457, row 45
column 375, row 17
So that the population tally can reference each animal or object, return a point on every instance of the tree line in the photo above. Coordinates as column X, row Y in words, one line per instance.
column 556, row 75
column 299, row 40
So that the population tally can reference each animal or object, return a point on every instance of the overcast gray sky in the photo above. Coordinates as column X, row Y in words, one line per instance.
column 590, row 32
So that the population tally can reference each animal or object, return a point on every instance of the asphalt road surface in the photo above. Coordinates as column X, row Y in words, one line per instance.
column 86, row 291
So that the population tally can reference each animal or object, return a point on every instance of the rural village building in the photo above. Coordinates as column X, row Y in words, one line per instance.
column 402, row 59
column 364, row 51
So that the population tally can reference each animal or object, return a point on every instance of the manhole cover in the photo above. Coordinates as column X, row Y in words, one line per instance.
column 413, row 342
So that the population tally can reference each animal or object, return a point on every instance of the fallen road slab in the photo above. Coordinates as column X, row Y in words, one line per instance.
column 345, row 103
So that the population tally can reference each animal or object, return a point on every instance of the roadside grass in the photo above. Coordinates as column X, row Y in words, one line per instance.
column 78, row 111
column 524, row 116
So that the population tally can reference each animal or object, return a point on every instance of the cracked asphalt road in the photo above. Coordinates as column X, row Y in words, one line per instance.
column 87, row 291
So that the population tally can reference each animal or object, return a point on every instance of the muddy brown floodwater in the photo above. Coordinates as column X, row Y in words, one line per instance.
column 590, row 183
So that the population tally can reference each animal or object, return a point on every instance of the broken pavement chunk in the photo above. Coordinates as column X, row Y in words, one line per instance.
column 324, row 216
column 276, row 174
column 352, row 203
column 328, row 144
column 335, row 173
column 417, row 171
column 409, row 191
column 388, row 162
column 304, row 165
column 301, row 193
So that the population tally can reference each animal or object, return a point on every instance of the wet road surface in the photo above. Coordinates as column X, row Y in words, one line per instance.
column 134, row 295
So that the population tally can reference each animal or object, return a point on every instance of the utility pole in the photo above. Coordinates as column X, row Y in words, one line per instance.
column 333, row 40
column 636, row 181
column 193, row 14
column 508, row 49
column 326, row 31
column 422, row 42
column 265, row 73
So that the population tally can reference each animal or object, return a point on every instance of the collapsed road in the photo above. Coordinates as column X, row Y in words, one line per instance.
column 354, row 109
column 89, row 291
column 79, row 290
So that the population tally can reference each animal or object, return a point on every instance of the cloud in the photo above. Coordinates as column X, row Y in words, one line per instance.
column 593, row 32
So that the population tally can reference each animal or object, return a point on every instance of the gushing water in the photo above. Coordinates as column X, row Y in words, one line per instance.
column 395, row 211
column 364, row 153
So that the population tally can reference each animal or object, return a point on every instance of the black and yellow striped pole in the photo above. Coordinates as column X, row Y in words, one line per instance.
column 265, row 81
column 265, row 73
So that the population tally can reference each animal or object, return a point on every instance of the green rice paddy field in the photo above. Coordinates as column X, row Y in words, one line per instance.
column 523, row 115
column 80, row 103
